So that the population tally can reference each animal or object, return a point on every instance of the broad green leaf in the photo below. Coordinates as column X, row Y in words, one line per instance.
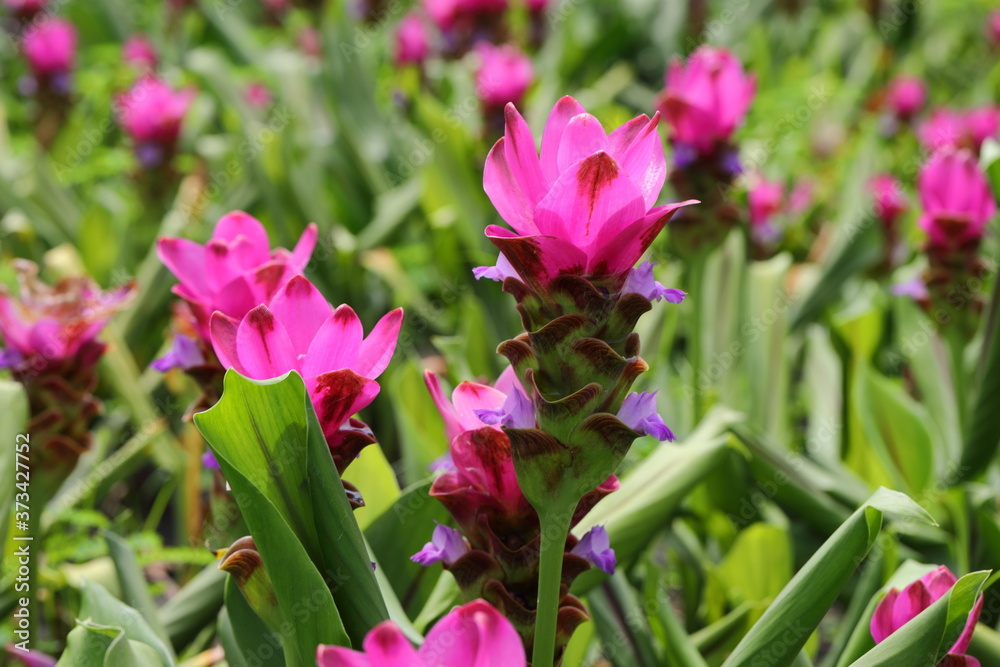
column 254, row 642
column 794, row 615
column 926, row 639
column 111, row 633
column 133, row 582
column 767, row 345
column 982, row 437
column 272, row 451
column 400, row 532
column 757, row 565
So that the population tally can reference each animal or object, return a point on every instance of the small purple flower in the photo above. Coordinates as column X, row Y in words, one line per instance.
column 638, row 412
column 640, row 281
column 915, row 289
column 447, row 545
column 184, row 353
column 10, row 358
column 208, row 460
column 500, row 272
column 684, row 155
column 731, row 162
column 443, row 463
column 517, row 411
column 595, row 547
column 150, row 155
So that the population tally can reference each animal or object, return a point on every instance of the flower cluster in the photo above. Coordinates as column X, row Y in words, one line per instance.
column 152, row 113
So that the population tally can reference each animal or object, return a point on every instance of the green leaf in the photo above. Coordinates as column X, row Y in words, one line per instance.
column 111, row 633
column 133, row 582
column 193, row 607
column 926, row 639
column 14, row 407
column 272, row 452
column 373, row 472
column 787, row 624
column 982, row 437
column 249, row 639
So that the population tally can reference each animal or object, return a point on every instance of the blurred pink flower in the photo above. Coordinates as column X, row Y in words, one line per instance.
column 993, row 27
column 889, row 200
column 586, row 206
column 235, row 271
column 765, row 199
column 299, row 331
column 898, row 608
column 474, row 634
column 955, row 198
column 947, row 128
column 257, row 95
column 412, row 41
column 503, row 75
column 152, row 113
column 706, row 98
column 906, row 96
column 29, row 658
column 48, row 325
column 50, row 47
column 139, row 52
column 25, row 7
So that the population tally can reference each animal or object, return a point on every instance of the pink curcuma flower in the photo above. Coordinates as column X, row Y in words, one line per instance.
column 51, row 326
column 473, row 635
column 412, row 41
column 706, row 99
column 26, row 8
column 503, row 75
column 947, row 128
column 898, row 608
column 585, row 206
column 888, row 198
column 955, row 198
column 906, row 96
column 993, row 27
column 152, row 114
column 140, row 53
column 50, row 47
column 299, row 331
column 257, row 95
column 235, row 271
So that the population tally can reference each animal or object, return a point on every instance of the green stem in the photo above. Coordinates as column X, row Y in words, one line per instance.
column 554, row 528
column 956, row 348
column 696, row 284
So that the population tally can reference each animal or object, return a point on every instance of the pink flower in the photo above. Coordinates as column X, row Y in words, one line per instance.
column 766, row 199
column 889, row 200
column 235, row 271
column 706, row 99
column 25, row 7
column 139, row 52
column 993, row 27
column 503, row 76
column 50, row 325
column 152, row 112
column 947, row 128
column 898, row 608
column 50, row 47
column 257, row 95
column 955, row 198
column 29, row 658
column 906, row 96
column 412, row 42
column 473, row 635
column 586, row 206
column 299, row 331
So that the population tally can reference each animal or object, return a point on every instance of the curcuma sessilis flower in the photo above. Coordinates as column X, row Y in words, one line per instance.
column 899, row 607
column 765, row 200
column 139, row 53
column 889, row 203
column 412, row 43
column 473, row 635
column 51, row 347
column 234, row 272
column 494, row 553
column 951, row 129
column 49, row 46
column 905, row 96
column 152, row 113
column 298, row 330
column 956, row 205
column 502, row 77
column 704, row 101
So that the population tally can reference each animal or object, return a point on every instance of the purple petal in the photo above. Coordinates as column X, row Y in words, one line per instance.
column 10, row 358
column 447, row 545
column 915, row 289
column 638, row 412
column 595, row 547
column 517, row 411
column 184, row 353
column 443, row 463
column 640, row 281
column 500, row 272
column 684, row 155
column 208, row 460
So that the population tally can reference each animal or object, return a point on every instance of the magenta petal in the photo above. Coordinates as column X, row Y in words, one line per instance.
column 522, row 156
column 186, row 260
column 452, row 426
column 301, row 308
column 966, row 637
column 473, row 635
column 622, row 137
column 13, row 327
column 264, row 347
column 469, row 397
column 583, row 137
column 220, row 266
column 238, row 223
column 483, row 456
column 386, row 646
column 645, row 163
column 564, row 111
column 337, row 395
column 376, row 350
column 952, row 660
column 505, row 192
column 304, row 248
column 911, row 601
column 235, row 298
column 336, row 344
column 590, row 202
column 507, row 382
column 337, row 656
column 938, row 582
column 538, row 259
column 620, row 253
column 882, row 624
